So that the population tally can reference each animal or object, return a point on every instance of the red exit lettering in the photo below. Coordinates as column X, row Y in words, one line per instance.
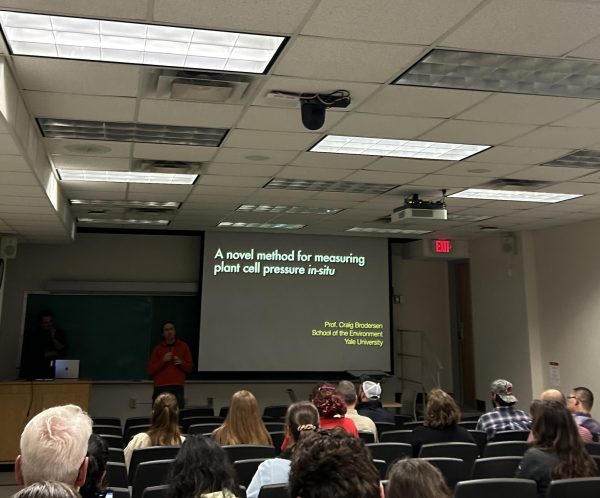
column 443, row 246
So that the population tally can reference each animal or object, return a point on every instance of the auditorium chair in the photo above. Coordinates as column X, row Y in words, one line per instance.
column 390, row 451
column 150, row 474
column 277, row 437
column 496, row 467
column 581, row 487
column 381, row 466
column 150, row 454
column 274, row 426
column 247, row 451
column 510, row 436
column 505, row 448
column 132, row 430
column 245, row 469
column 467, row 452
column 120, row 492
column 202, row 428
column 384, row 427
column 366, row 437
column 116, row 475
column 136, row 421
column 468, row 424
column 112, row 441
column 198, row 411
column 116, row 455
column 400, row 436
column 186, row 422
column 496, row 488
column 453, row 469
column 593, row 448
column 480, row 439
column 275, row 412
column 107, row 430
column 156, row 491
column 274, row 491
column 115, row 421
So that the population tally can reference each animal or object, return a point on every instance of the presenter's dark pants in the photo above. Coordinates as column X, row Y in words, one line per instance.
column 176, row 391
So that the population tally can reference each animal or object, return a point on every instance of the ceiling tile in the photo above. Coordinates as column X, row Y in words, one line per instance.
column 325, row 160
column 573, row 188
column 517, row 155
column 378, row 126
column 91, row 188
column 310, row 57
column 13, row 163
column 475, row 132
column 383, row 177
column 18, row 178
column 588, row 118
column 243, row 169
column 285, row 197
column 445, row 181
column 76, row 106
column 132, row 9
column 90, row 162
column 482, row 169
column 407, row 165
column 173, row 112
column 94, row 194
column 304, row 173
column 60, row 146
column 254, row 156
column 267, row 16
column 173, row 152
column 233, row 181
column 270, row 139
column 402, row 100
column 275, row 119
column 550, row 173
column 395, row 21
column 202, row 191
column 558, row 136
column 8, row 145
column 517, row 27
column 526, row 109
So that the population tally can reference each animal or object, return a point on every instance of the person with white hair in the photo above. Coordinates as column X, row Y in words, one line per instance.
column 47, row 489
column 54, row 446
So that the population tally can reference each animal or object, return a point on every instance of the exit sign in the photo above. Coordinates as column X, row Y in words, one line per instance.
column 443, row 246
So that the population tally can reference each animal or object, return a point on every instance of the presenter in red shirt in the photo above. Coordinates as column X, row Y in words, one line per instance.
column 170, row 361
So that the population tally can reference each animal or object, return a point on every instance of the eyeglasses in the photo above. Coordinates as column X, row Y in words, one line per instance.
column 573, row 397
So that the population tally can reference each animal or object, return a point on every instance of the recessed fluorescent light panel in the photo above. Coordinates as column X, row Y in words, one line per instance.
column 466, row 218
column 131, row 132
column 82, row 175
column 148, row 44
column 513, row 195
column 286, row 209
column 239, row 224
column 505, row 73
column 386, row 147
column 126, row 204
column 330, row 186
column 119, row 221
column 578, row 159
column 388, row 230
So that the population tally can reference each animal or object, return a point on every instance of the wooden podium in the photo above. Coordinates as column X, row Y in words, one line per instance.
column 19, row 398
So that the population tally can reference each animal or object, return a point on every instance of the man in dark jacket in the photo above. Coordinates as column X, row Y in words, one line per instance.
column 370, row 406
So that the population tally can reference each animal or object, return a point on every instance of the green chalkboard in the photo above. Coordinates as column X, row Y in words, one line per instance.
column 113, row 335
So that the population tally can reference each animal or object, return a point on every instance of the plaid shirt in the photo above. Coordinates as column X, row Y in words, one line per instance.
column 503, row 418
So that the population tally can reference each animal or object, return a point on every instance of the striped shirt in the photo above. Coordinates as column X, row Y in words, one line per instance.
column 503, row 418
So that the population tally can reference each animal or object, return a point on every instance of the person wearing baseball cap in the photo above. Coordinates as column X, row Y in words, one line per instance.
column 369, row 404
column 504, row 416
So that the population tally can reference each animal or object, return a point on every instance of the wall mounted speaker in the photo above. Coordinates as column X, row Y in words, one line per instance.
column 8, row 247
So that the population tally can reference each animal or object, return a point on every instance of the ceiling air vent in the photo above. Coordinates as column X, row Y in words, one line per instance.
column 180, row 167
column 200, row 86
column 516, row 184
column 143, row 210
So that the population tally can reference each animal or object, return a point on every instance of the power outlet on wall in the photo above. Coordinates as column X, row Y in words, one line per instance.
column 132, row 403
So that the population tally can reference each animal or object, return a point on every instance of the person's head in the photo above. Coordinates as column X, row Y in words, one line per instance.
column 346, row 390
column 329, row 404
column 581, row 399
column 553, row 395
column 164, row 422
column 415, row 478
column 502, row 393
column 168, row 332
column 301, row 418
column 554, row 430
column 53, row 447
column 47, row 489
column 332, row 464
column 97, row 459
column 46, row 320
column 441, row 410
column 201, row 466
column 370, row 391
column 243, row 424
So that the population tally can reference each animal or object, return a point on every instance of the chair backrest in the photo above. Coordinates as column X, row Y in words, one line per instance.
column 203, row 428
column 411, row 425
column 274, row 491
column 275, row 411
column 496, row 488
column 112, row 441
column 385, row 427
column 150, row 454
column 204, row 419
column 593, row 448
column 401, row 436
column 470, row 416
column 468, row 424
column 568, row 488
column 109, row 430
column 495, row 467
column 150, row 474
column 505, row 448
column 275, row 426
column 156, row 491
column 198, row 411
column 247, row 451
column 366, row 437
column 116, row 455
column 116, row 421
column 132, row 430
column 401, row 420
column 510, row 436
column 120, row 492
column 135, row 421
column 465, row 451
column 480, row 438
column 245, row 469
column 277, row 437
column 597, row 460
column 390, row 451
column 223, row 411
column 453, row 469
column 116, row 475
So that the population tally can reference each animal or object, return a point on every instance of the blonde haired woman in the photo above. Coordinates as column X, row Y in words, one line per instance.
column 164, row 427
column 243, row 424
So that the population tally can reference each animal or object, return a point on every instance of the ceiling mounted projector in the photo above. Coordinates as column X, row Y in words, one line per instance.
column 417, row 209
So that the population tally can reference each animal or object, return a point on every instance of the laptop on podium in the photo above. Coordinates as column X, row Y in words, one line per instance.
column 66, row 369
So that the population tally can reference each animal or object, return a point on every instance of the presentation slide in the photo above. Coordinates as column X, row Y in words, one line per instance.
column 294, row 303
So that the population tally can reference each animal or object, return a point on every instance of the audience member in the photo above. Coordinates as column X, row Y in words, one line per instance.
column 346, row 390
column 557, row 452
column 97, row 459
column 243, row 424
column 580, row 403
column 332, row 410
column 202, row 470
column 53, row 447
column 164, row 427
column 47, row 489
column 441, row 423
column 333, row 464
column 301, row 419
column 369, row 404
column 415, row 478
column 504, row 417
